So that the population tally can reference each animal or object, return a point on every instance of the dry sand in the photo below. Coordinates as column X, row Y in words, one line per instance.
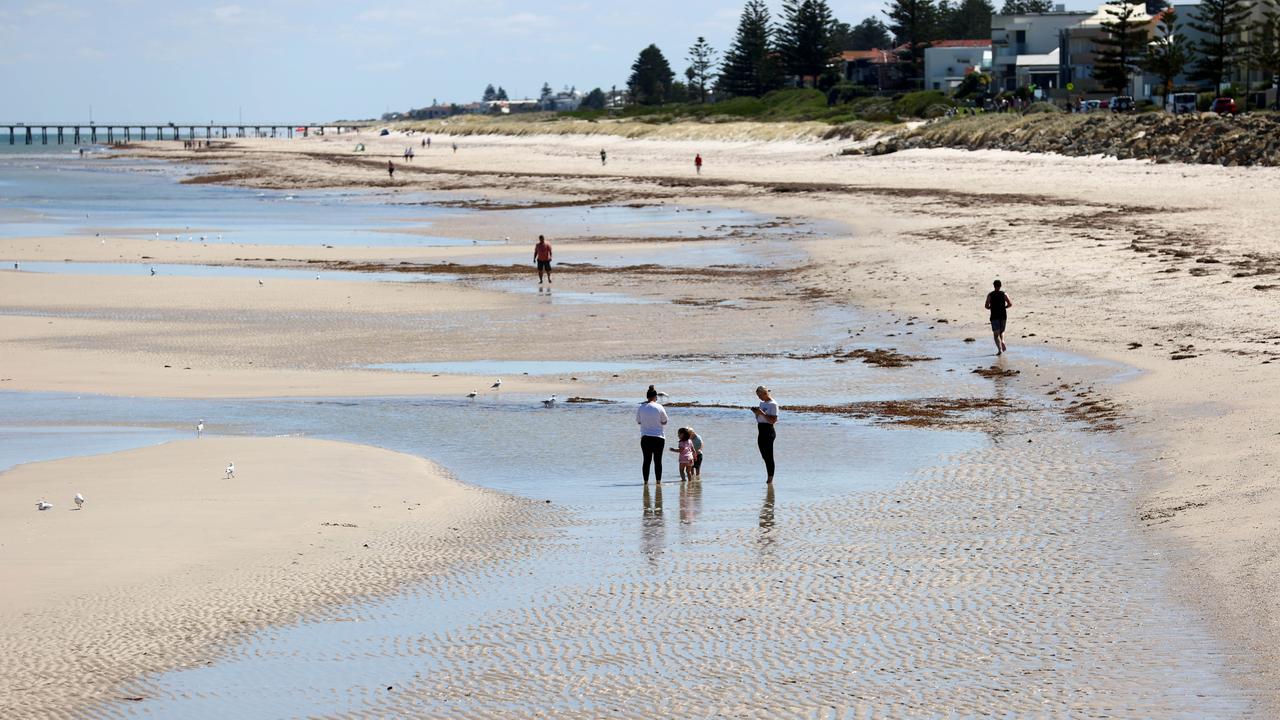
column 167, row 560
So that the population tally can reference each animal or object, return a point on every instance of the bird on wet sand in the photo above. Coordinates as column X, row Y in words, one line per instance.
column 230, row 471
column 496, row 384
column 549, row 402
column 79, row 500
column 472, row 395
column 42, row 505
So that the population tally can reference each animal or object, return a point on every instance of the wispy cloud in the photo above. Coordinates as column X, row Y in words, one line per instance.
column 228, row 13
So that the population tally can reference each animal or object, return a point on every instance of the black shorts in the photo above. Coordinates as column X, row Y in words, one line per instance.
column 998, row 325
column 544, row 265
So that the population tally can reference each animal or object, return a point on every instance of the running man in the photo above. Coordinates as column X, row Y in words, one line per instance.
column 542, row 258
column 998, row 303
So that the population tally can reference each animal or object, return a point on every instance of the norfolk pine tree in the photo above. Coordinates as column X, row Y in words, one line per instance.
column 914, row 24
column 1220, row 21
column 1167, row 55
column 749, row 69
column 1122, row 46
column 1264, row 45
column 702, row 60
column 805, row 38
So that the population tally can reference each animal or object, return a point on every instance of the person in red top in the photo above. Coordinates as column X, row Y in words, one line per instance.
column 542, row 257
column 697, row 163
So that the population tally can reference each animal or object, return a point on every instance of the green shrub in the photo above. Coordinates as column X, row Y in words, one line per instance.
column 923, row 104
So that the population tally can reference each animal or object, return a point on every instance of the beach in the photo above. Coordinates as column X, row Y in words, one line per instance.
column 1093, row 537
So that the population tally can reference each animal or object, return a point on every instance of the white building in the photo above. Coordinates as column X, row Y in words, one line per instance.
column 947, row 62
column 1036, row 35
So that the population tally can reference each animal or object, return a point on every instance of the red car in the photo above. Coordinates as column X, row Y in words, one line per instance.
column 1223, row 106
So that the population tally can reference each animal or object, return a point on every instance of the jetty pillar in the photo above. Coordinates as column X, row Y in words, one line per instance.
column 44, row 136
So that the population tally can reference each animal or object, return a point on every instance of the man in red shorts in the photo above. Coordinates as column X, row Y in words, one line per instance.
column 542, row 257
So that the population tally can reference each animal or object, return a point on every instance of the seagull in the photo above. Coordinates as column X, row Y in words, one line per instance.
column 153, row 272
column 664, row 396
column 472, row 395
column 549, row 402
column 230, row 471
column 199, row 428
column 219, row 237
column 42, row 505
column 157, row 236
column 496, row 384
column 259, row 282
column 79, row 501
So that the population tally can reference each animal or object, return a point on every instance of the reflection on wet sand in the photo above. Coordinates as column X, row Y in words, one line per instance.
column 690, row 501
column 653, row 531
column 767, row 536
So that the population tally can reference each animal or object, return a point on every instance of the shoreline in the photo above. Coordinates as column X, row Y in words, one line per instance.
column 305, row 527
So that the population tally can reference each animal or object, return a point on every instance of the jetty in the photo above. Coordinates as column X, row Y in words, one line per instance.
column 94, row 132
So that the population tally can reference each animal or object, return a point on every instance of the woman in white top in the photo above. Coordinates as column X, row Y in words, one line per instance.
column 766, row 417
column 652, row 418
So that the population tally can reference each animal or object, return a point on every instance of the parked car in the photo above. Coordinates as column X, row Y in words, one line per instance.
column 1223, row 106
column 1178, row 103
column 1122, row 103
column 1090, row 105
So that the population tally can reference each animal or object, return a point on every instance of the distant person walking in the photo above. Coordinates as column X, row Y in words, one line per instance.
column 542, row 258
column 766, row 417
column 391, row 170
column 455, row 148
column 697, row 163
column 998, row 303
column 604, row 157
column 652, row 418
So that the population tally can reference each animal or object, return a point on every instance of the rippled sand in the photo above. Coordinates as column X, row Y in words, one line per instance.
column 1004, row 582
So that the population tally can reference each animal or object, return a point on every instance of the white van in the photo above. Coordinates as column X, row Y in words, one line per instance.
column 1180, row 103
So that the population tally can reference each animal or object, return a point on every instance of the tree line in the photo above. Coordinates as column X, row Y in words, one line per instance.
column 800, row 44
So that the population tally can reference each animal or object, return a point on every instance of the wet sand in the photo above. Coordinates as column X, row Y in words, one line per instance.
column 963, row 594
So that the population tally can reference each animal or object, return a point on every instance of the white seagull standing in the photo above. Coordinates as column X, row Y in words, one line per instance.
column 496, row 384
column 230, row 472
column 42, row 505
column 79, row 501
column 472, row 395
column 549, row 402
column 199, row 428
column 664, row 396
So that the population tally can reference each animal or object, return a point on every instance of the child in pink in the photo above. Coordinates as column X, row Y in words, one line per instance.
column 687, row 454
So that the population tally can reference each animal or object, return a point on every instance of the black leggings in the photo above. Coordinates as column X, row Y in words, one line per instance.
column 765, row 442
column 652, row 448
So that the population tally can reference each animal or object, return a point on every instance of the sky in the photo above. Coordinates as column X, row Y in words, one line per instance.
column 295, row 61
